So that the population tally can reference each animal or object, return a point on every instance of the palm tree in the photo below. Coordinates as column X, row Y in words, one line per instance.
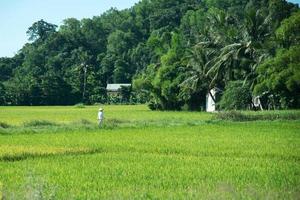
column 240, row 60
column 198, row 65
column 215, row 62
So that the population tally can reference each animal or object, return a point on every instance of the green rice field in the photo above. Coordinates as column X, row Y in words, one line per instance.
column 60, row 153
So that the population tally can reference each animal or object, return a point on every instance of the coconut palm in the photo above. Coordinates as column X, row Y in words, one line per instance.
column 239, row 60
column 198, row 65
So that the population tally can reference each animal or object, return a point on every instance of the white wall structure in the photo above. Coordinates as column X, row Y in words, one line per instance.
column 257, row 103
column 116, row 87
column 210, row 104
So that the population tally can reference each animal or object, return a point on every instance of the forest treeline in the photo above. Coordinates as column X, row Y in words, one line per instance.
column 172, row 51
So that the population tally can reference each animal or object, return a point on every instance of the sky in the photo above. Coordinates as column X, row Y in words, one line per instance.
column 16, row 16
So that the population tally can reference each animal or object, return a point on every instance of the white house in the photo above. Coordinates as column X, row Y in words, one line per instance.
column 114, row 88
column 257, row 103
column 210, row 103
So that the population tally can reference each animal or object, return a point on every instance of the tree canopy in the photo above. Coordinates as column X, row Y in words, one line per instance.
column 174, row 53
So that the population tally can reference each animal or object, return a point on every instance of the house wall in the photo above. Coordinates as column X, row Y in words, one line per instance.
column 210, row 104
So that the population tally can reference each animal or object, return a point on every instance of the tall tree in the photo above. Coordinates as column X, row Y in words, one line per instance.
column 40, row 30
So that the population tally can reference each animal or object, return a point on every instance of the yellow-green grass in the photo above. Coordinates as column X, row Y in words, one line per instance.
column 209, row 160
column 66, row 114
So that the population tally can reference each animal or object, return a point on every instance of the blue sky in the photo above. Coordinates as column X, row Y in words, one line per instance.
column 295, row 1
column 16, row 16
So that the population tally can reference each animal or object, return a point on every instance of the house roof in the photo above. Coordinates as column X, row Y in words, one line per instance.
column 116, row 87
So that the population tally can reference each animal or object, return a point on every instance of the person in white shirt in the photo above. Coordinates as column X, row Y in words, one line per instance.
column 100, row 116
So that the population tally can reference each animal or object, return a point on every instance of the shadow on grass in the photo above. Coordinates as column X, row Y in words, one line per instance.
column 4, row 125
column 39, row 123
column 26, row 155
column 42, row 126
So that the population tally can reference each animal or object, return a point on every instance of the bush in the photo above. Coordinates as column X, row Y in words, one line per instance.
column 125, row 93
column 154, row 105
column 237, row 96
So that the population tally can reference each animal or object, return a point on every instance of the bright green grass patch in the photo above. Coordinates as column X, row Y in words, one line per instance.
column 238, row 160
column 67, row 114
column 120, row 114
column 145, row 155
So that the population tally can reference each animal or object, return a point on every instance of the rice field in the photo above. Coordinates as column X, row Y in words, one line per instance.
column 60, row 153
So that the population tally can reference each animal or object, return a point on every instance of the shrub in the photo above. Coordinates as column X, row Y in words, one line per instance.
column 125, row 93
column 237, row 96
column 154, row 106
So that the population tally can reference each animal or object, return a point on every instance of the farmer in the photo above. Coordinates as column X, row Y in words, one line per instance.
column 100, row 116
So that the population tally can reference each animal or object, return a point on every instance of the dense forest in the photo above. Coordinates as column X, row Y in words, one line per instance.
column 172, row 51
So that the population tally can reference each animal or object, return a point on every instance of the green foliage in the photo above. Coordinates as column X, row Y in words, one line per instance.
column 288, row 32
column 41, row 30
column 125, row 93
column 166, row 78
column 2, row 92
column 281, row 76
column 237, row 96
column 173, row 52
